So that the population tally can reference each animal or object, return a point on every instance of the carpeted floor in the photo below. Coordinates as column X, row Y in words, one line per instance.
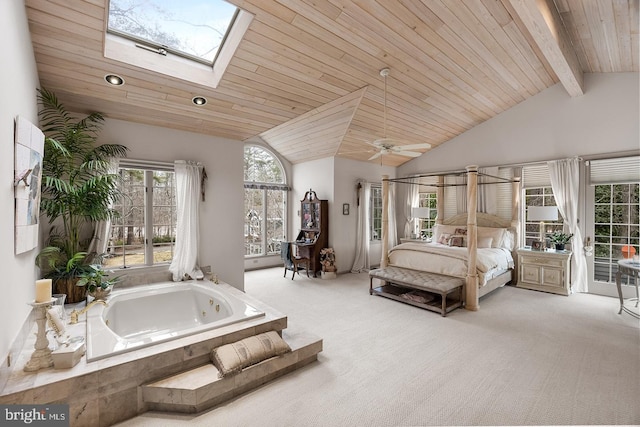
column 526, row 358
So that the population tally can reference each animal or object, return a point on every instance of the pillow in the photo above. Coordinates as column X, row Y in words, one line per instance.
column 461, row 231
column 232, row 358
column 440, row 229
column 497, row 234
column 457, row 241
column 444, row 239
column 485, row 242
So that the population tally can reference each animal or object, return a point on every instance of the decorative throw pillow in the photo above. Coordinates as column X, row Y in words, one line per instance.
column 457, row 241
column 461, row 231
column 444, row 239
column 232, row 358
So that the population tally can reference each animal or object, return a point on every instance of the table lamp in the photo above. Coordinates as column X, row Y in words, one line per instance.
column 542, row 214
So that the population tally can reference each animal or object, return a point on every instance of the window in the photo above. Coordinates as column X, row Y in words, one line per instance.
column 145, row 232
column 194, row 30
column 541, row 196
column 265, row 202
column 375, row 213
column 188, row 39
column 616, row 225
column 426, row 224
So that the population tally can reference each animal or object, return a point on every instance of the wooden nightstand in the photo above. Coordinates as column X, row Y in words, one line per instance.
column 544, row 271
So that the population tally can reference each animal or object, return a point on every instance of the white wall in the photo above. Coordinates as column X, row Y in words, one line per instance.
column 316, row 175
column 548, row 126
column 343, row 227
column 222, row 213
column 18, row 83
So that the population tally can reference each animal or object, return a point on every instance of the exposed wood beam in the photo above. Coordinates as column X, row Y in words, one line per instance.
column 542, row 20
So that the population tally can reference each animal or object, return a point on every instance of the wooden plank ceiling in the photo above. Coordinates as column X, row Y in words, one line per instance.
column 306, row 76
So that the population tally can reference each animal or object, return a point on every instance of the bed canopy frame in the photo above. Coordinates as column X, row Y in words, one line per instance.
column 472, row 173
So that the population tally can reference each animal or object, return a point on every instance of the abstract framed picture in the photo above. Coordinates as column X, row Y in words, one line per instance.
column 29, row 150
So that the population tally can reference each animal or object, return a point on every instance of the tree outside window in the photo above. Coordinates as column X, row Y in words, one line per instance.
column 145, row 232
column 425, row 225
column 616, row 224
column 375, row 212
column 265, row 202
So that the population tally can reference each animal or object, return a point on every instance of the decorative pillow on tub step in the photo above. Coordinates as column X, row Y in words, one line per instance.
column 234, row 357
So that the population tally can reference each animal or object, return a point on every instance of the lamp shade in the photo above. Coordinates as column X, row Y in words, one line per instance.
column 542, row 213
column 420, row 212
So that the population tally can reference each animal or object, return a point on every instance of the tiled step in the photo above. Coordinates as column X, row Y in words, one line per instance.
column 200, row 388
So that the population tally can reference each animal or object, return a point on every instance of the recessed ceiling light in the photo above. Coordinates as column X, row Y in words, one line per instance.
column 113, row 79
column 199, row 100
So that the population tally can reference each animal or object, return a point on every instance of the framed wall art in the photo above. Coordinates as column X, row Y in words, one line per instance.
column 29, row 150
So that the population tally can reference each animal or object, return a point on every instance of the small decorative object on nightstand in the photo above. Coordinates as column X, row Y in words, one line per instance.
column 546, row 271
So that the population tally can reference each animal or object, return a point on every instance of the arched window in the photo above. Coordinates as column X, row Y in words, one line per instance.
column 265, row 202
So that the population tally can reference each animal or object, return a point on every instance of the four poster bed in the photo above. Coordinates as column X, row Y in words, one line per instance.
column 470, row 254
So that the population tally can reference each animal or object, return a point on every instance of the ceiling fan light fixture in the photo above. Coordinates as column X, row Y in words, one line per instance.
column 114, row 79
column 199, row 100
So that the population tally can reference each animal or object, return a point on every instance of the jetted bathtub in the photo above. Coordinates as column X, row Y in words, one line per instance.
column 148, row 315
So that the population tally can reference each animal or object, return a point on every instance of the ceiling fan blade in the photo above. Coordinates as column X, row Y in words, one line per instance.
column 414, row 146
column 408, row 153
column 375, row 156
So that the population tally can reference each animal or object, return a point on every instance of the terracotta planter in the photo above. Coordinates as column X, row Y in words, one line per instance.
column 74, row 293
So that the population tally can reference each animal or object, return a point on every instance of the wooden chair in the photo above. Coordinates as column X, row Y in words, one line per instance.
column 292, row 261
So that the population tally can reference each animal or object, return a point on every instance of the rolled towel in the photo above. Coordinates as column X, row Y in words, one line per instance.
column 54, row 320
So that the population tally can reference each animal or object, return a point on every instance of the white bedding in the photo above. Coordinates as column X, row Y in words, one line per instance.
column 451, row 261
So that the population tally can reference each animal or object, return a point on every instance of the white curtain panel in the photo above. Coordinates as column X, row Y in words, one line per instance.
column 565, row 183
column 487, row 194
column 411, row 201
column 188, row 184
column 362, row 262
column 392, row 237
column 100, row 238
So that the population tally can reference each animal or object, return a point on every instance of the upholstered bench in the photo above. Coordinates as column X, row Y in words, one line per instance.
column 397, row 279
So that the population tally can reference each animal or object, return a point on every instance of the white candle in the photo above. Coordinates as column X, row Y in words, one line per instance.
column 43, row 290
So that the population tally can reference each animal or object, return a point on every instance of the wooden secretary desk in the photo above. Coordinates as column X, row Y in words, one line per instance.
column 314, row 229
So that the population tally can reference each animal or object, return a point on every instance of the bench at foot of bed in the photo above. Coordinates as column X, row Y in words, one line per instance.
column 430, row 291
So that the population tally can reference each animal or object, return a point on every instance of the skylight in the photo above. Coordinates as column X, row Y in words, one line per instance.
column 195, row 29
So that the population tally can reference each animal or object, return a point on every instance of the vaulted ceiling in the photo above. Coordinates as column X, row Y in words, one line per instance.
column 306, row 76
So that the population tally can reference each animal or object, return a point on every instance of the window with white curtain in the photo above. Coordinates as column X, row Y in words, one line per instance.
column 428, row 200
column 145, row 231
column 537, row 191
column 265, row 202
column 375, row 212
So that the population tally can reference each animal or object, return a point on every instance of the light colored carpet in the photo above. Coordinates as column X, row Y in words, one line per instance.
column 526, row 358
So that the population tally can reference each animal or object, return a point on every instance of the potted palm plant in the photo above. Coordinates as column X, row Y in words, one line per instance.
column 78, row 190
column 560, row 239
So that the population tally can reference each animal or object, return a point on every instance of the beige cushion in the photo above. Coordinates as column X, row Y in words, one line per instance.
column 231, row 358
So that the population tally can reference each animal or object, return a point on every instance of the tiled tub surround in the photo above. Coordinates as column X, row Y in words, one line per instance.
column 147, row 315
column 108, row 391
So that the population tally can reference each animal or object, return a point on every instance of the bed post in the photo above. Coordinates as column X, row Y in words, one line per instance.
column 440, row 199
column 471, row 301
column 515, row 222
column 385, row 221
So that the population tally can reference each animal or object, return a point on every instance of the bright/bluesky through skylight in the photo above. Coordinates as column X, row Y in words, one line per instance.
column 192, row 27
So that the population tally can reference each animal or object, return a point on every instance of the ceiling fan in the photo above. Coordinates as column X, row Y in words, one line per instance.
column 387, row 145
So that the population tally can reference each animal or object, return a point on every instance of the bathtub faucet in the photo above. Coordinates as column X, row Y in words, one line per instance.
column 75, row 313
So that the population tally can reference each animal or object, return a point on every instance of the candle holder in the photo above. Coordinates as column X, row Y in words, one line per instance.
column 41, row 357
